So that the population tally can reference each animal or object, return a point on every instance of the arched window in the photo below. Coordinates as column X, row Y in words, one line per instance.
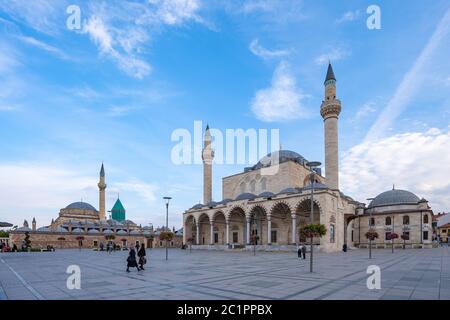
column 263, row 184
column 425, row 218
column 372, row 222
column 388, row 221
column 253, row 186
column 242, row 187
column 405, row 219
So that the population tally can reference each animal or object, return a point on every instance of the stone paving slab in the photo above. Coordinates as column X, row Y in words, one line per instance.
column 405, row 274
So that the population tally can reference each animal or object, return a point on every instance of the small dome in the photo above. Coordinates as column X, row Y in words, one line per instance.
column 81, row 205
column 211, row 204
column 393, row 197
column 93, row 231
column 121, row 232
column 266, row 194
column 288, row 191
column 108, row 231
column 224, row 201
column 77, row 230
column 246, row 196
column 24, row 229
column 44, row 229
column 283, row 156
column 316, row 185
column 60, row 229
column 135, row 232
column 197, row 206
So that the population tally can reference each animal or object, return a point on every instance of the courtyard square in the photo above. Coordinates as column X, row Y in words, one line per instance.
column 200, row 274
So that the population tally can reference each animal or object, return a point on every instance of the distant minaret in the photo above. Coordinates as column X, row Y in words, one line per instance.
column 33, row 224
column 102, row 187
column 330, row 110
column 207, row 156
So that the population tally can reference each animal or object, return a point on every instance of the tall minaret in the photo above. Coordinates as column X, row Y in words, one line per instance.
column 330, row 110
column 207, row 156
column 102, row 187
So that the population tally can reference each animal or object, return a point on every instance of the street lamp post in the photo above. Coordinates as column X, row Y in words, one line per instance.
column 370, row 227
column 312, row 165
column 167, row 221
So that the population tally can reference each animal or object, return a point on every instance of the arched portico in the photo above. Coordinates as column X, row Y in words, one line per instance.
column 280, row 216
column 204, row 229
column 189, row 230
column 238, row 226
column 258, row 224
column 303, row 217
column 219, row 228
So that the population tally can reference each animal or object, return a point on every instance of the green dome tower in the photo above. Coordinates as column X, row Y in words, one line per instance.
column 118, row 211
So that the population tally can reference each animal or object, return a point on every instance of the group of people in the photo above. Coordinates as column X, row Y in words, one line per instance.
column 4, row 247
column 301, row 251
column 132, row 261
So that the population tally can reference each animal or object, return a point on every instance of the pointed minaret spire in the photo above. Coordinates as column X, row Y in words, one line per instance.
column 102, row 188
column 207, row 156
column 330, row 110
column 330, row 74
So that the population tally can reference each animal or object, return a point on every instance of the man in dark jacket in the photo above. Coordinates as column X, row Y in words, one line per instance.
column 304, row 251
column 131, row 260
column 141, row 255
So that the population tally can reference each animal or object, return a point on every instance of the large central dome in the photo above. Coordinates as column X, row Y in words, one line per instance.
column 394, row 197
column 81, row 205
column 283, row 156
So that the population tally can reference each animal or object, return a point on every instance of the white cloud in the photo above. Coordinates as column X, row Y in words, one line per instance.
column 349, row 16
column 415, row 161
column 365, row 110
column 144, row 190
column 44, row 46
column 411, row 82
column 264, row 53
column 176, row 12
column 281, row 101
column 334, row 55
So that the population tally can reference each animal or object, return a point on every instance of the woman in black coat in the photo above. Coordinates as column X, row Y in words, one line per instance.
column 131, row 260
column 141, row 254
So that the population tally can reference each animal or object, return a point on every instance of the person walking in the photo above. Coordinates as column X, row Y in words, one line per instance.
column 299, row 251
column 304, row 251
column 131, row 260
column 141, row 254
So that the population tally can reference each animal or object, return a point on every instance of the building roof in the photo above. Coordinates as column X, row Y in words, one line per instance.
column 246, row 196
column 81, row 205
column 394, row 197
column 283, row 156
column 330, row 73
column 118, row 211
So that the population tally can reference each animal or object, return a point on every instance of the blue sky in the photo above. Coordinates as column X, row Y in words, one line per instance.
column 135, row 71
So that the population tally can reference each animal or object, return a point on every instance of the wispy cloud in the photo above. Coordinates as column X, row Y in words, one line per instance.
column 282, row 100
column 411, row 82
column 334, row 55
column 415, row 161
column 144, row 190
column 44, row 46
column 364, row 111
column 349, row 16
column 264, row 53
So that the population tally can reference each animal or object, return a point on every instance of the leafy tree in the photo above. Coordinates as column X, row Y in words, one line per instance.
column 371, row 235
column 27, row 241
column 4, row 234
column 313, row 230
column 166, row 236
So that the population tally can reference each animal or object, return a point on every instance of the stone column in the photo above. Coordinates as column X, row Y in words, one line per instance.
column 184, row 232
column 294, row 229
column 197, row 235
column 227, row 221
column 248, row 231
column 269, row 229
column 211, row 237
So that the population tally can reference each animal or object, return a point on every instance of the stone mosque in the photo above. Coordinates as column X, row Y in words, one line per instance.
column 272, row 208
column 80, row 225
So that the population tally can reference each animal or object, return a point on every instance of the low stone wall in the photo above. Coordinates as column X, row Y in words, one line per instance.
column 42, row 240
column 267, row 248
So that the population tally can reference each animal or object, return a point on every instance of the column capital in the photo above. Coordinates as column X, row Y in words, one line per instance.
column 293, row 216
column 269, row 217
column 211, row 222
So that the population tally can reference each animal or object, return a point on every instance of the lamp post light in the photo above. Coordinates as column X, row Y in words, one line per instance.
column 167, row 220
column 370, row 228
column 312, row 165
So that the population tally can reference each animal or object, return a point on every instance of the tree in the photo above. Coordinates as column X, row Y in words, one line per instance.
column 166, row 236
column 110, row 237
column 371, row 235
column 27, row 241
column 392, row 236
column 404, row 237
column 313, row 230
column 4, row 234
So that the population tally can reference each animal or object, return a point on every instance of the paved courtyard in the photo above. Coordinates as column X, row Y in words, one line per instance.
column 406, row 274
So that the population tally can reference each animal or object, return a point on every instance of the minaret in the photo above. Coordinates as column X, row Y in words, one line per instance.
column 102, row 187
column 33, row 224
column 207, row 156
column 330, row 110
